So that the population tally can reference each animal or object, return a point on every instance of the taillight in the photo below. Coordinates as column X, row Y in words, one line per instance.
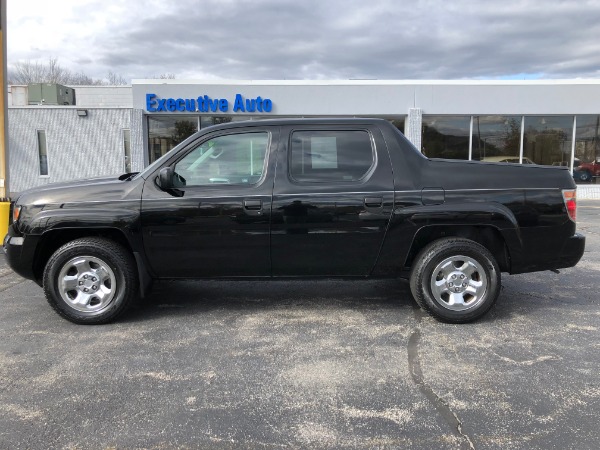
column 570, row 198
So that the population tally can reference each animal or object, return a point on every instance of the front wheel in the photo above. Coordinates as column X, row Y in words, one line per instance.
column 90, row 280
column 455, row 280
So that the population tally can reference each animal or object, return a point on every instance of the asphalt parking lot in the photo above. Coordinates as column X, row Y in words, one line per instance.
column 308, row 365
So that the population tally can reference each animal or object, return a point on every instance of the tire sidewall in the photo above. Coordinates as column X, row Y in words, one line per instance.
column 432, row 258
column 51, row 283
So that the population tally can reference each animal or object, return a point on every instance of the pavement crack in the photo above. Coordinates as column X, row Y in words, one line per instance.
column 441, row 405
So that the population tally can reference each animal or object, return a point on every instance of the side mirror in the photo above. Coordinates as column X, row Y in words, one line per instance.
column 165, row 178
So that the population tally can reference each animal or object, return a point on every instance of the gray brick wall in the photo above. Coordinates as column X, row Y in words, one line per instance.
column 137, row 140
column 78, row 147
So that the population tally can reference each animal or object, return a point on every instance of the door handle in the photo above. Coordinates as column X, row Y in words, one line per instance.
column 253, row 205
column 373, row 202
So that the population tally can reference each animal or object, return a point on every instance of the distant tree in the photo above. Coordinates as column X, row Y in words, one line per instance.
column 183, row 130
column 162, row 76
column 27, row 72
column 512, row 139
column 115, row 79
column 81, row 79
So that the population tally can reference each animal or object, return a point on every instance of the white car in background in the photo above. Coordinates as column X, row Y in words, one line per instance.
column 507, row 159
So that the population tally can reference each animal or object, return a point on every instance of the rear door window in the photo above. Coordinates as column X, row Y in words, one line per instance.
column 330, row 156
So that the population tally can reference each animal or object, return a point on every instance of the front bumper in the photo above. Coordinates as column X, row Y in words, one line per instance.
column 20, row 252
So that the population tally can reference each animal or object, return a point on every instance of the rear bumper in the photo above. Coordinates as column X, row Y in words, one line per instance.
column 544, row 256
column 571, row 252
column 20, row 252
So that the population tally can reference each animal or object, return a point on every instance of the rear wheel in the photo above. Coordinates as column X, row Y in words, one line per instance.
column 90, row 280
column 455, row 280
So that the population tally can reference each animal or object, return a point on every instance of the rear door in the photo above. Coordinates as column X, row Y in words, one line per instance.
column 332, row 200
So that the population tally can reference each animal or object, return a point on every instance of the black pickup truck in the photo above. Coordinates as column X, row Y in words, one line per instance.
column 296, row 198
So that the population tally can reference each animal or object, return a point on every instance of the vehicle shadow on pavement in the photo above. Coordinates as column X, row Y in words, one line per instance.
column 183, row 298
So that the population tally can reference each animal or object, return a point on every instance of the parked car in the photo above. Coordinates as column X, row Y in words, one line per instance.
column 587, row 170
column 507, row 159
column 296, row 198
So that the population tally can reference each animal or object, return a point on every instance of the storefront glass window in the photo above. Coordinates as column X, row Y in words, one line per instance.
column 209, row 121
column 548, row 140
column 446, row 136
column 165, row 132
column 496, row 138
column 587, row 148
column 398, row 123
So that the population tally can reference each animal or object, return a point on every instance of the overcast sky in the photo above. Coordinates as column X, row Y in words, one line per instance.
column 311, row 39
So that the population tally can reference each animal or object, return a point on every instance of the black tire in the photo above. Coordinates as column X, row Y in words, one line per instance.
column 454, row 270
column 585, row 176
column 101, row 267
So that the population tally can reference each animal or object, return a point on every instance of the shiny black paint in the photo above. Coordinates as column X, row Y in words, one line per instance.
column 330, row 229
column 279, row 227
column 210, row 231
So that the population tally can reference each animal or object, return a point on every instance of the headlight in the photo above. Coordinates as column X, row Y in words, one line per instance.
column 16, row 213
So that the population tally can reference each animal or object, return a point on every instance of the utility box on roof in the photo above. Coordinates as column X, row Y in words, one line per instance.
column 50, row 94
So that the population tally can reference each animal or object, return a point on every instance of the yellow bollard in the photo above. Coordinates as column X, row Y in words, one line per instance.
column 4, row 214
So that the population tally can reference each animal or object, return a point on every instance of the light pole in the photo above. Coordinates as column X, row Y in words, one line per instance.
column 4, row 192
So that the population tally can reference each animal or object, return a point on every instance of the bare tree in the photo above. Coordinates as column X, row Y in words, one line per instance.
column 28, row 72
column 55, row 73
column 162, row 76
column 81, row 79
column 115, row 79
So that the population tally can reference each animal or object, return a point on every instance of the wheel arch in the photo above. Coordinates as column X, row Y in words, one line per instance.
column 52, row 240
column 488, row 236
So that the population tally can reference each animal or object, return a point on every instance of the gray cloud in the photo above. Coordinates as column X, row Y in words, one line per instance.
column 312, row 39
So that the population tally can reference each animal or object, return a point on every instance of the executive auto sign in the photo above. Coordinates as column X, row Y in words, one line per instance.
column 204, row 103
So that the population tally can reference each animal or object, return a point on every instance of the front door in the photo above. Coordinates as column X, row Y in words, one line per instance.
column 216, row 223
column 332, row 201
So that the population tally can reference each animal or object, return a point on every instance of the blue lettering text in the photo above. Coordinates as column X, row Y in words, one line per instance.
column 150, row 102
column 205, row 104
column 239, row 103
column 190, row 104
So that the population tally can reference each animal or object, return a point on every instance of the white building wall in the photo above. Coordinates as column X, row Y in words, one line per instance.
column 393, row 97
column 78, row 147
column 103, row 96
column 17, row 95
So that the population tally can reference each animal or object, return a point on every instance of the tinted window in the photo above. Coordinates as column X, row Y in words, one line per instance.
column 330, row 155
column 231, row 159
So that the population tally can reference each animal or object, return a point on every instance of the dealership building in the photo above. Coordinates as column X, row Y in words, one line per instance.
column 105, row 130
